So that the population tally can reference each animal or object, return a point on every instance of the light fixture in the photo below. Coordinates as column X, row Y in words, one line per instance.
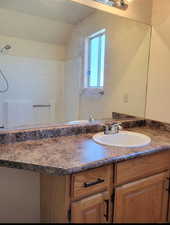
column 121, row 4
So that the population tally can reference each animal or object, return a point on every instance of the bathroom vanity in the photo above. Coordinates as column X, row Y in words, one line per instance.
column 64, row 67
column 82, row 181
column 133, row 191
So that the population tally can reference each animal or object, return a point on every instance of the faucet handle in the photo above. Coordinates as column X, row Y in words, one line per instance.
column 116, row 124
column 116, row 127
column 120, row 127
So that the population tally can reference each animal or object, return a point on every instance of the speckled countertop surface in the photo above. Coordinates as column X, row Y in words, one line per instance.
column 71, row 154
column 56, row 130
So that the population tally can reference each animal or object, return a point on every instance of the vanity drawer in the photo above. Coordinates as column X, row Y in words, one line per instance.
column 91, row 181
column 134, row 169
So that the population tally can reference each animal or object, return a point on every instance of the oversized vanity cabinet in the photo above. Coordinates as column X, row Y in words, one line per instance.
column 132, row 191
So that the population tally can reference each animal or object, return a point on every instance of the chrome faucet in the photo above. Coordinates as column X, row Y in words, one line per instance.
column 113, row 129
column 91, row 119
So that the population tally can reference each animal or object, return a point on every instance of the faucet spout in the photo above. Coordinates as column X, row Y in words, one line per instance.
column 91, row 119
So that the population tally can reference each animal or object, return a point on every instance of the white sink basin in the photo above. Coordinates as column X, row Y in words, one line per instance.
column 123, row 139
column 78, row 122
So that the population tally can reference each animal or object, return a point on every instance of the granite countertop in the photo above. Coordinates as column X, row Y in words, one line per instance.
column 50, row 126
column 72, row 154
column 57, row 130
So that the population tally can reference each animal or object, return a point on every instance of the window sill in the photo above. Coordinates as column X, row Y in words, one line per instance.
column 92, row 92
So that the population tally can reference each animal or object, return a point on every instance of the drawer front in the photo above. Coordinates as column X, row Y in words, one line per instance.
column 141, row 167
column 91, row 181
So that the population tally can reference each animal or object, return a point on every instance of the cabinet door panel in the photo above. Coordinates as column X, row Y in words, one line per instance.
column 143, row 201
column 94, row 209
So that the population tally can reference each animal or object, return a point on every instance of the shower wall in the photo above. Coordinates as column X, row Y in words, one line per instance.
column 36, row 77
column 72, row 84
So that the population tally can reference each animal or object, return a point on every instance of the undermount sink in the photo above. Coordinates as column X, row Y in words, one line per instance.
column 122, row 139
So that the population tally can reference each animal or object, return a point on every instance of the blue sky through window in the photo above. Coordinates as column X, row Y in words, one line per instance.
column 96, row 60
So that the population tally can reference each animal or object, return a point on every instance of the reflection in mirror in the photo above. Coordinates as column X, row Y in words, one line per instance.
column 120, row 4
column 61, row 61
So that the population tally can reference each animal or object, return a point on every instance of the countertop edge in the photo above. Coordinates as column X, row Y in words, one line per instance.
column 63, row 172
column 113, row 160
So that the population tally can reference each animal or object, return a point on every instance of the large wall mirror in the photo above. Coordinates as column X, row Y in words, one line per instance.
column 61, row 61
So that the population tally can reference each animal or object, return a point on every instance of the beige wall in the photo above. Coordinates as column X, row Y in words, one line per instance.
column 127, row 50
column 140, row 10
column 20, row 196
column 158, row 97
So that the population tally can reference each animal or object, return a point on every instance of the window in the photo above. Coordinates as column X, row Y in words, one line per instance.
column 95, row 60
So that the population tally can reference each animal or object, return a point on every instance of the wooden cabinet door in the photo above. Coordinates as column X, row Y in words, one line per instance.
column 93, row 209
column 143, row 201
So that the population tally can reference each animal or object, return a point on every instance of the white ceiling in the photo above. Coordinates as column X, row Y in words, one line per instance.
column 64, row 10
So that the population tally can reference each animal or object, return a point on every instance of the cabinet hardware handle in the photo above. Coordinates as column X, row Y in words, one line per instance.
column 107, row 210
column 113, row 202
column 98, row 181
column 168, row 189
column 69, row 215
